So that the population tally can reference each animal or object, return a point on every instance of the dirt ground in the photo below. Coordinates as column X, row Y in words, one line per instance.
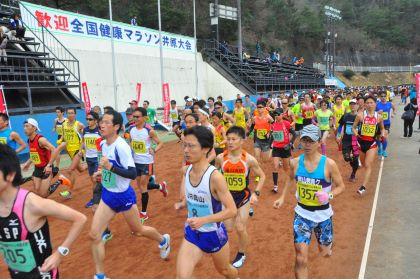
column 396, row 78
column 271, row 252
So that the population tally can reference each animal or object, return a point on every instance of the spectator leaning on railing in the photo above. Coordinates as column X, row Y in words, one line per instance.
column 16, row 27
column 3, row 45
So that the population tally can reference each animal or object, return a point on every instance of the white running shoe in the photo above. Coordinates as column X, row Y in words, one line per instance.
column 165, row 249
column 239, row 260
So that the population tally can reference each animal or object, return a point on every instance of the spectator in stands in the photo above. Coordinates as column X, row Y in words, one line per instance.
column 258, row 50
column 133, row 21
column 245, row 57
column 3, row 45
column 151, row 113
column 294, row 59
column 16, row 27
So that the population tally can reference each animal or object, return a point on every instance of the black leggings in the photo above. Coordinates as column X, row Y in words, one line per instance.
column 408, row 127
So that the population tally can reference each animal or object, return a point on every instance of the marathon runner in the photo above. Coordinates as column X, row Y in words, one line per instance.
column 366, row 126
column 118, row 196
column 175, row 119
column 315, row 175
column 10, row 137
column 90, row 135
column 209, row 203
column 296, row 109
column 141, row 137
column 350, row 148
column 261, row 124
column 307, row 110
column 220, row 133
column 338, row 110
column 324, row 118
column 236, row 164
column 24, row 231
column 42, row 154
column 240, row 114
column 384, row 107
column 58, row 128
column 72, row 142
column 281, row 129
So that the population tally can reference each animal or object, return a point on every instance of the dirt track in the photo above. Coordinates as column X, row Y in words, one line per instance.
column 270, row 255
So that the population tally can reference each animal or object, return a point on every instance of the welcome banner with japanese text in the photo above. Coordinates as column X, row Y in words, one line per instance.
column 86, row 98
column 63, row 22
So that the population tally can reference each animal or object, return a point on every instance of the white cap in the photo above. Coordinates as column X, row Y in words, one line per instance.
column 189, row 99
column 319, row 97
column 33, row 122
column 353, row 101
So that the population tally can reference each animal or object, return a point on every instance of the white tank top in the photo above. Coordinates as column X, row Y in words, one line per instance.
column 200, row 201
column 140, row 145
column 173, row 113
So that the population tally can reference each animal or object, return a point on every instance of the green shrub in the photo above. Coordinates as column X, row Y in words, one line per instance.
column 348, row 74
column 365, row 73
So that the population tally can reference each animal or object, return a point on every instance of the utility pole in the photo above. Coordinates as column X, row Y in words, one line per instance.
column 239, row 31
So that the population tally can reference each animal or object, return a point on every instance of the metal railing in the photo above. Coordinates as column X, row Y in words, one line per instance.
column 50, row 44
column 372, row 69
column 23, row 71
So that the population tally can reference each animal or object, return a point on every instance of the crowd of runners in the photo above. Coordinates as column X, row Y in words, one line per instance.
column 215, row 188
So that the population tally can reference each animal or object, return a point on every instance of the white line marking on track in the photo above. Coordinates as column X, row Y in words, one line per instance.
column 370, row 228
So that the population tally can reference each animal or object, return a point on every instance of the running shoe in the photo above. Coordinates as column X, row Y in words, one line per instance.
column 164, row 189
column 65, row 194
column 65, row 181
column 275, row 189
column 239, row 260
column 143, row 217
column 106, row 236
column 152, row 179
column 352, row 178
column 100, row 276
column 257, row 179
column 251, row 212
column 384, row 154
column 361, row 190
column 379, row 152
column 89, row 204
column 165, row 246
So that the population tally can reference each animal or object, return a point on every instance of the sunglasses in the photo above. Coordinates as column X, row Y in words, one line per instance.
column 260, row 107
column 285, row 103
column 217, row 108
column 136, row 117
column 89, row 119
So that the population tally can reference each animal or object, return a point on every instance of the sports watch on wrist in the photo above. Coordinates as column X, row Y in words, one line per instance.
column 64, row 251
column 257, row 193
column 330, row 195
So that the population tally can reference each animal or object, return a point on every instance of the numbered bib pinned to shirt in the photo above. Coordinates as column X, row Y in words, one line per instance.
column 35, row 158
column 278, row 136
column 262, row 133
column 368, row 130
column 18, row 255
column 109, row 179
column 3, row 140
column 385, row 116
column 90, row 143
column 139, row 147
column 235, row 181
column 306, row 193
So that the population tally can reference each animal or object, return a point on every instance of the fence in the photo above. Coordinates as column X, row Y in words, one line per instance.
column 372, row 69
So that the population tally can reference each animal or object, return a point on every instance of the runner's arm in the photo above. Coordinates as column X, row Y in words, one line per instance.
column 382, row 127
column 181, row 203
column 43, row 208
column 289, row 182
column 229, row 117
column 336, row 178
column 156, row 139
column 355, row 125
column 223, row 131
column 44, row 143
column 394, row 110
column 16, row 137
column 256, row 168
column 129, row 172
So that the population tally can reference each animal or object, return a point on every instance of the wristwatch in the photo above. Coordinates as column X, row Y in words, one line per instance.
column 257, row 193
column 63, row 251
column 330, row 195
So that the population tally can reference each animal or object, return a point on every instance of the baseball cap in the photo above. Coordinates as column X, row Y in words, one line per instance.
column 33, row 122
column 353, row 101
column 311, row 131
column 133, row 101
column 189, row 99
column 129, row 111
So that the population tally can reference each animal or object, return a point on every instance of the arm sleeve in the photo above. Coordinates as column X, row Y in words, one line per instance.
column 129, row 173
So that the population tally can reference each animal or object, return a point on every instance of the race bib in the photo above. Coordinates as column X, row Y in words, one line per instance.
column 34, row 156
column 309, row 114
column 337, row 118
column 235, row 182
column 349, row 130
column 3, row 140
column 385, row 116
column 109, row 179
column 18, row 255
column 324, row 121
column 278, row 136
column 139, row 147
column 90, row 143
column 198, row 210
column 174, row 116
column 368, row 130
column 306, row 193
column 261, row 134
